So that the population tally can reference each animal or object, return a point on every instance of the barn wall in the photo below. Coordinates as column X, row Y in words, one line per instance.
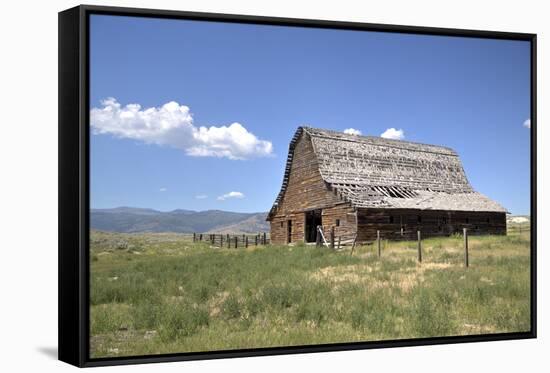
column 346, row 215
column 306, row 190
column 279, row 227
column 430, row 223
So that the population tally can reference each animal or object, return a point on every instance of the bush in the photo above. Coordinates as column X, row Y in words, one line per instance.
column 281, row 296
column 232, row 308
column 181, row 320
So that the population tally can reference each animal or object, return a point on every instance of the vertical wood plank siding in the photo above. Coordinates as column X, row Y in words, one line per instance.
column 430, row 222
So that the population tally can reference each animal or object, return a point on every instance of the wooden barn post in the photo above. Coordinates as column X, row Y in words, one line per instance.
column 419, row 247
column 466, row 259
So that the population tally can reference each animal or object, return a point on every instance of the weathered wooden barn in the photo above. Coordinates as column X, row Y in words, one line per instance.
column 361, row 184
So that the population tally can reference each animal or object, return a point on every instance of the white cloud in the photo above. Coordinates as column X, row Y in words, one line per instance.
column 172, row 125
column 392, row 133
column 352, row 131
column 201, row 196
column 163, row 189
column 527, row 123
column 231, row 195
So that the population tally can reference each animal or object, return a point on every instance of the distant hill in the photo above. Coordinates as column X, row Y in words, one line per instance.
column 518, row 219
column 255, row 223
column 130, row 220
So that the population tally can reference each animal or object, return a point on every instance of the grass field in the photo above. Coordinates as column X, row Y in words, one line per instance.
column 162, row 293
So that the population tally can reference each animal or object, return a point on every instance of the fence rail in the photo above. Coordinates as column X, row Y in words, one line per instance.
column 232, row 241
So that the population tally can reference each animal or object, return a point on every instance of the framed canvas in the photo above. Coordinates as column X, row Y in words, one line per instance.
column 235, row 186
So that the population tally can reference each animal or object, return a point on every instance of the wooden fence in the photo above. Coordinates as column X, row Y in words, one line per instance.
column 232, row 241
column 329, row 239
column 335, row 243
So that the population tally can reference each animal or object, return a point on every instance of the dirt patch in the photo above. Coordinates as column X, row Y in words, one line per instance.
column 216, row 302
column 425, row 266
column 405, row 279
column 350, row 273
column 112, row 343
column 476, row 329
column 486, row 280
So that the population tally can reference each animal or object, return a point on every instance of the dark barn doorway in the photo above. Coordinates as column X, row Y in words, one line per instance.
column 313, row 219
column 289, row 231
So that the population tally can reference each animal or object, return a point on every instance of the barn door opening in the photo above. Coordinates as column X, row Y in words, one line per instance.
column 313, row 219
column 289, row 231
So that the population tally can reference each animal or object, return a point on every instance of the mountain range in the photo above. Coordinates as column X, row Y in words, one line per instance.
column 132, row 219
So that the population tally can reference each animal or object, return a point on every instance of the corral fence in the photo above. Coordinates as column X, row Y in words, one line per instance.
column 329, row 239
column 232, row 241
column 336, row 242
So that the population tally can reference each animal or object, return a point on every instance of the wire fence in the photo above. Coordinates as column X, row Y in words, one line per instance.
column 232, row 241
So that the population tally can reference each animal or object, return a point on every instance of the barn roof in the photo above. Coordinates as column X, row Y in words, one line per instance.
column 376, row 172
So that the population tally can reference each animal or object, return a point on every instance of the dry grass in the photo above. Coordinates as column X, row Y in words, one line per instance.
column 161, row 293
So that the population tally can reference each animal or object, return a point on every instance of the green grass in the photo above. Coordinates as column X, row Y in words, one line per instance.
column 162, row 293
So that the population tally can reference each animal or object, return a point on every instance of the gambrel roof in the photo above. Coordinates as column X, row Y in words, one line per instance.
column 374, row 172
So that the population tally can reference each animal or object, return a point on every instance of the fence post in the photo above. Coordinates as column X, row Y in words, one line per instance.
column 228, row 242
column 466, row 259
column 318, row 237
column 256, row 240
column 221, row 240
column 236, row 239
column 332, row 237
column 265, row 240
column 246, row 241
column 194, row 237
column 378, row 243
column 419, row 247
column 200, row 237
column 353, row 245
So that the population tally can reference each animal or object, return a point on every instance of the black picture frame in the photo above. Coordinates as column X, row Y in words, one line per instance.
column 74, row 206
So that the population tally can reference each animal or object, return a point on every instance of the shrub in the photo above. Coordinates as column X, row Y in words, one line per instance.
column 181, row 320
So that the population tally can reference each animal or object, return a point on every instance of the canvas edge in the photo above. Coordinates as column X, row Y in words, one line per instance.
column 73, row 205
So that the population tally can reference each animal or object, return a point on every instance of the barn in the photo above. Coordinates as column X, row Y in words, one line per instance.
column 358, row 185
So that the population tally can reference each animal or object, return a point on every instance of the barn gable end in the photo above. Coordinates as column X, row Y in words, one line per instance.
column 304, row 191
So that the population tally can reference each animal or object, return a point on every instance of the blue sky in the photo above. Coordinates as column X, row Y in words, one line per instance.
column 469, row 94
